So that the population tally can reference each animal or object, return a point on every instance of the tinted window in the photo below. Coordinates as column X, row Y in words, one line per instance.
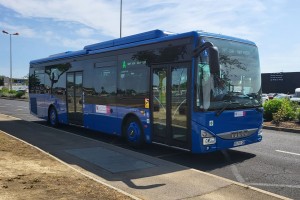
column 37, row 81
column 133, row 82
column 133, row 79
column 105, row 88
column 105, row 81
column 55, row 80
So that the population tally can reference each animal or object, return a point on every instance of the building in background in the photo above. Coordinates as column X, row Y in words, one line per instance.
column 283, row 82
column 17, row 83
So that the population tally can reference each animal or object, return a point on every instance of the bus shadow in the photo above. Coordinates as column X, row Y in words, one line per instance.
column 211, row 161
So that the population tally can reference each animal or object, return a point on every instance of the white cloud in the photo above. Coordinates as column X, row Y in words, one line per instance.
column 246, row 19
column 101, row 15
column 239, row 18
column 26, row 31
column 85, row 32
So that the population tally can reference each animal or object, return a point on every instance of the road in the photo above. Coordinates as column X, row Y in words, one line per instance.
column 272, row 165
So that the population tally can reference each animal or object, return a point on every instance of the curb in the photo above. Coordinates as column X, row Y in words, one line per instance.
column 274, row 128
column 9, row 98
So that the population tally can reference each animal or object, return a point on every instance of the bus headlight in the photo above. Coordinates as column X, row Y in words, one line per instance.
column 208, row 141
column 260, row 131
column 207, row 138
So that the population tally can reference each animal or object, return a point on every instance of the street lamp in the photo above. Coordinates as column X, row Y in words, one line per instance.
column 10, row 34
column 121, row 19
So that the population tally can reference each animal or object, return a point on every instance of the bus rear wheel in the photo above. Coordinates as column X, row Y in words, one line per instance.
column 134, row 133
column 52, row 117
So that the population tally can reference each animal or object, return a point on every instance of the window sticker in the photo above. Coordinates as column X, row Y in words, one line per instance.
column 102, row 109
column 146, row 103
column 239, row 114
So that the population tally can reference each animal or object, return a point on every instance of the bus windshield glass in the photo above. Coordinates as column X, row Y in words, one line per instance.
column 236, row 85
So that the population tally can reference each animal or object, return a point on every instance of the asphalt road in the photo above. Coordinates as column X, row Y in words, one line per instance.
column 272, row 165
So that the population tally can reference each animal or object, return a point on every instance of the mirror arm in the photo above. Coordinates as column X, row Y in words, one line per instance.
column 201, row 48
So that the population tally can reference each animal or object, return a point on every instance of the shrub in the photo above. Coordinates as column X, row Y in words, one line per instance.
column 271, row 107
column 298, row 114
column 19, row 94
column 286, row 112
column 12, row 92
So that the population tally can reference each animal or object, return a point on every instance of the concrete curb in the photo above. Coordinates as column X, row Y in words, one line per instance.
column 8, row 98
column 274, row 128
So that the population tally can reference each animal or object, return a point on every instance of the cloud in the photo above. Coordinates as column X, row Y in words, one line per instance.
column 101, row 15
column 85, row 32
column 240, row 18
column 26, row 31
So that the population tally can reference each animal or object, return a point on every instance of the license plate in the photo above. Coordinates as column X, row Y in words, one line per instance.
column 239, row 143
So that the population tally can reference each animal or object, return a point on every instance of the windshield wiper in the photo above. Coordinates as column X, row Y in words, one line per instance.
column 228, row 103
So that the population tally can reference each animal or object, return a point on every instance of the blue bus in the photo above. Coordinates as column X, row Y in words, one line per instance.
column 195, row 91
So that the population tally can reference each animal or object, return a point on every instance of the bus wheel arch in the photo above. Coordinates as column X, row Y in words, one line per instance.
column 52, row 116
column 132, row 130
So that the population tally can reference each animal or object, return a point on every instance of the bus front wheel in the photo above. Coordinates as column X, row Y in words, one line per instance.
column 134, row 133
column 52, row 117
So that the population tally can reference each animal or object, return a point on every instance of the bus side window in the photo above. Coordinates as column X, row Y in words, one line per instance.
column 105, row 83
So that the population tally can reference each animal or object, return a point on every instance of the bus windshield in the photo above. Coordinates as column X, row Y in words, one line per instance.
column 238, row 83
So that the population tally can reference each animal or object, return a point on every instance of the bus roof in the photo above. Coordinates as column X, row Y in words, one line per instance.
column 220, row 36
column 131, row 41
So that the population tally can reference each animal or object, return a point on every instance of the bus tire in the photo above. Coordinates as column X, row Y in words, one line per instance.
column 52, row 117
column 134, row 132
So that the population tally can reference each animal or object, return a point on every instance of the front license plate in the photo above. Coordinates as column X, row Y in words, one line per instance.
column 239, row 143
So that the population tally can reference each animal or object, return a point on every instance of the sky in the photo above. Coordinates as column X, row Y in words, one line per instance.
column 48, row 27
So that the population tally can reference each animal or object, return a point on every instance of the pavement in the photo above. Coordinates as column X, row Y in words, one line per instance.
column 138, row 175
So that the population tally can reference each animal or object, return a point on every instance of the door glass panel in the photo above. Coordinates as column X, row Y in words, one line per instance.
column 159, row 102
column 75, row 97
column 70, row 93
column 78, row 93
column 179, row 103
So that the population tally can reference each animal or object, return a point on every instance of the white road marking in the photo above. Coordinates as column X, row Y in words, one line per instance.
column 297, row 154
column 274, row 185
column 18, row 109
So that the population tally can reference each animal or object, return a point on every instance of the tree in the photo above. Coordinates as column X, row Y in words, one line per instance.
column 1, row 80
column 55, row 72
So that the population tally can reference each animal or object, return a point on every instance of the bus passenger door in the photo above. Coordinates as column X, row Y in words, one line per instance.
column 75, row 98
column 169, row 105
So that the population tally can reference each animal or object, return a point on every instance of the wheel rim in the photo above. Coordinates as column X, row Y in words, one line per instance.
column 133, row 132
column 52, row 117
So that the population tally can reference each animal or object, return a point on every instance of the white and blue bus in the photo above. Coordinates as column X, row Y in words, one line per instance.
column 195, row 91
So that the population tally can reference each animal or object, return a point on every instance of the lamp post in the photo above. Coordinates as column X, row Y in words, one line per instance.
column 121, row 19
column 10, row 34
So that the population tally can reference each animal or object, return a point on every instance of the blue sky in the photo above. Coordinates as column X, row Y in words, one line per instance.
column 52, row 26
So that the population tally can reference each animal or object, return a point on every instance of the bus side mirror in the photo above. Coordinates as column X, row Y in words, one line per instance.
column 214, row 64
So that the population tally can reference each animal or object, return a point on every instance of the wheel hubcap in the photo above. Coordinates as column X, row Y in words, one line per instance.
column 133, row 132
column 52, row 117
